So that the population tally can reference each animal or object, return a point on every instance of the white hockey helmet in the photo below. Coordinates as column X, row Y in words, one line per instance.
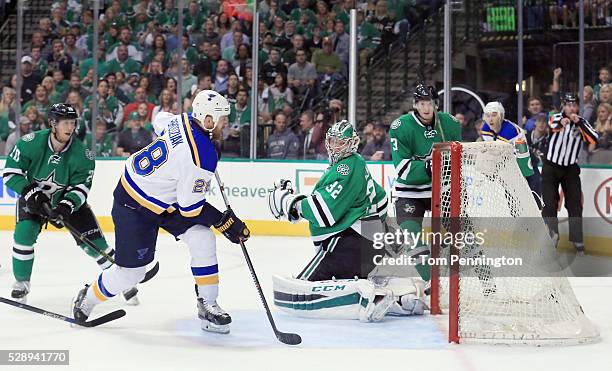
column 495, row 107
column 210, row 103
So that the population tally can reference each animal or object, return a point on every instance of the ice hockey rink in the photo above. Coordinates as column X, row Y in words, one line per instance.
column 163, row 333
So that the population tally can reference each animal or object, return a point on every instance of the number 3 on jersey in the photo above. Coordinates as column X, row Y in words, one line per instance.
column 150, row 158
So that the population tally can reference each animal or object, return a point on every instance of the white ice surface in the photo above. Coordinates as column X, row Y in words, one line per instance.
column 163, row 333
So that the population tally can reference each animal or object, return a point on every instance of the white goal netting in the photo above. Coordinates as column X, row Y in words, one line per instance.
column 531, row 302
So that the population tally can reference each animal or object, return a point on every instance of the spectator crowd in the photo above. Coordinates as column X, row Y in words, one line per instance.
column 303, row 55
column 141, row 53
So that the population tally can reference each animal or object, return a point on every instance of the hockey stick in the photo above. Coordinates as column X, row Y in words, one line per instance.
column 84, row 239
column 283, row 337
column 93, row 323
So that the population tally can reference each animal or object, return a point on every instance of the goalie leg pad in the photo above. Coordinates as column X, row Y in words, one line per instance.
column 334, row 299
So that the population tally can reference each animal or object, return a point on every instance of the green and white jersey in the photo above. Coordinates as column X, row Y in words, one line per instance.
column 411, row 144
column 345, row 194
column 65, row 175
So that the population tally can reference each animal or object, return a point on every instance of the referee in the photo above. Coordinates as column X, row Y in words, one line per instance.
column 568, row 132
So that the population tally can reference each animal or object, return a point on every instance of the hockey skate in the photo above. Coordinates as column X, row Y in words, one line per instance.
column 130, row 296
column 214, row 318
column 579, row 246
column 81, row 308
column 20, row 291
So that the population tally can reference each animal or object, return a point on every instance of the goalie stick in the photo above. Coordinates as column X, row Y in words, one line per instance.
column 283, row 337
column 92, row 323
column 84, row 239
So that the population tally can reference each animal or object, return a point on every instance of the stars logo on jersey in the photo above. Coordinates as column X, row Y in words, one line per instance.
column 49, row 185
column 28, row 137
column 396, row 124
column 54, row 159
column 429, row 134
column 343, row 169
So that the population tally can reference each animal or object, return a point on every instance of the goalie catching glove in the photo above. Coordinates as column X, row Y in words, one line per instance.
column 233, row 228
column 283, row 202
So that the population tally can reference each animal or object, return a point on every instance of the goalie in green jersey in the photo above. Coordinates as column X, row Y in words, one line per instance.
column 412, row 138
column 53, row 172
column 345, row 211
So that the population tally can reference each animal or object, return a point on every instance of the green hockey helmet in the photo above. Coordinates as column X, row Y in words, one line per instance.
column 341, row 141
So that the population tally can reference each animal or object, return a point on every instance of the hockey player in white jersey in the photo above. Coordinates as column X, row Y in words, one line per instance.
column 497, row 127
column 164, row 186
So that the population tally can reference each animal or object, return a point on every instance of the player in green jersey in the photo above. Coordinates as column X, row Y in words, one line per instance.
column 53, row 171
column 412, row 138
column 345, row 211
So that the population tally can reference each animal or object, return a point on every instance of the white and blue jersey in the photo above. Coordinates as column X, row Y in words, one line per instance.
column 510, row 132
column 164, row 186
column 174, row 171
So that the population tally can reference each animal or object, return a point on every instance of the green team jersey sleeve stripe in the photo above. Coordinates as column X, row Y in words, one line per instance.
column 326, row 211
column 80, row 191
column 316, row 212
column 403, row 168
column 77, row 193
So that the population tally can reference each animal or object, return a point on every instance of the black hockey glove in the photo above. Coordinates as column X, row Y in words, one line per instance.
column 428, row 167
column 233, row 228
column 34, row 199
column 61, row 212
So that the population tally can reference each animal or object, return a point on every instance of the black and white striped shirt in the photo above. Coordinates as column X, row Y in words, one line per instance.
column 564, row 143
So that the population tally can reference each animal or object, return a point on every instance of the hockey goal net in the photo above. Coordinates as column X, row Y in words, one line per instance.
column 478, row 187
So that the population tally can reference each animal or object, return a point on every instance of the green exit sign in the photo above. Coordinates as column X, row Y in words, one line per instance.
column 501, row 18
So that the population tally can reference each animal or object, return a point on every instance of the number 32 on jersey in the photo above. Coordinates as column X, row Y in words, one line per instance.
column 148, row 159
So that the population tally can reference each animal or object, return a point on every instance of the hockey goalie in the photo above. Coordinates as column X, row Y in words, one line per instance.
column 344, row 211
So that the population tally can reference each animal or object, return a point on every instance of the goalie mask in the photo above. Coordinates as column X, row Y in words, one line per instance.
column 341, row 141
